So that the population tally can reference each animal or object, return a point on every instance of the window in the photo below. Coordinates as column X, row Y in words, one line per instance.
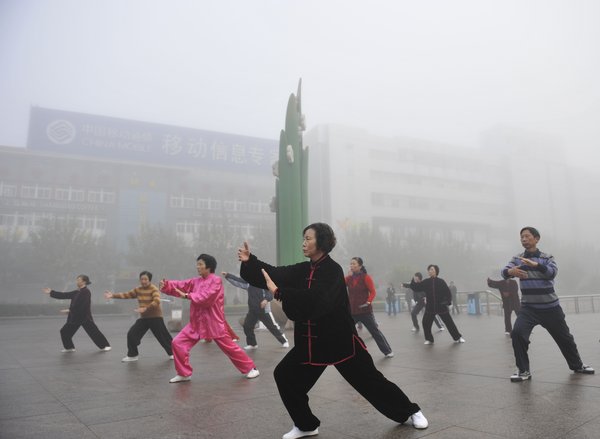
column 8, row 190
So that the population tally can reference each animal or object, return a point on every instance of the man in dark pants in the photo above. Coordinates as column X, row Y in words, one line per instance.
column 539, row 306
column 80, row 314
column 258, row 299
column 509, row 290
column 314, row 296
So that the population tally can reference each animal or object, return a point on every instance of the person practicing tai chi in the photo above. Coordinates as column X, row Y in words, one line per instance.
column 207, row 320
column 509, row 290
column 258, row 300
column 79, row 314
column 536, row 271
column 361, row 291
column 151, row 317
column 313, row 294
column 437, row 300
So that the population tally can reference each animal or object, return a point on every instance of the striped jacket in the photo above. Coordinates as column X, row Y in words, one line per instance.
column 537, row 290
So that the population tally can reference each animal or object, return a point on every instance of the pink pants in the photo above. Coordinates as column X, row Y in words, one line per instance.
column 187, row 339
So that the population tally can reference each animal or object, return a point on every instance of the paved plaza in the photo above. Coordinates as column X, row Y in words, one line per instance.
column 464, row 390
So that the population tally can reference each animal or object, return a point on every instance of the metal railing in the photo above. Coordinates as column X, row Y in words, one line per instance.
column 491, row 303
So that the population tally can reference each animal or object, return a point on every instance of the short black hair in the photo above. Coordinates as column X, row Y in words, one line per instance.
column 146, row 273
column 419, row 275
column 435, row 267
column 325, row 237
column 531, row 230
column 85, row 279
column 209, row 261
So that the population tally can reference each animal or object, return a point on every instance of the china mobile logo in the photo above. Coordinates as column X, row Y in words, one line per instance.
column 61, row 132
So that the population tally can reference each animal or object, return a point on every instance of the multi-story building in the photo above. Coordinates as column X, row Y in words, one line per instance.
column 480, row 196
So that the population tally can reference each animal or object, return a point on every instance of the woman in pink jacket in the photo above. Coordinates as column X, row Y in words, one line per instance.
column 207, row 320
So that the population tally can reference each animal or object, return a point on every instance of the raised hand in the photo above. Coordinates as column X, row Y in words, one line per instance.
column 46, row 290
column 244, row 252
column 108, row 295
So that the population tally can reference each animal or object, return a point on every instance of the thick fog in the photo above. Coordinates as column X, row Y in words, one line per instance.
column 437, row 71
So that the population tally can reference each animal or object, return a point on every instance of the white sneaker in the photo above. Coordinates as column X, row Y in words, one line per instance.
column 414, row 329
column 171, row 357
column 106, row 349
column 68, row 350
column 390, row 355
column 428, row 342
column 296, row 433
column 129, row 359
column 179, row 379
column 460, row 340
column 419, row 421
column 250, row 347
column 253, row 374
column 441, row 329
column 285, row 345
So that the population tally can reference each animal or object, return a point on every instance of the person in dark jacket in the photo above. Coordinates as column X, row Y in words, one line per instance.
column 313, row 294
column 258, row 298
column 80, row 314
column 509, row 290
column 437, row 300
column 419, row 298
column 361, row 292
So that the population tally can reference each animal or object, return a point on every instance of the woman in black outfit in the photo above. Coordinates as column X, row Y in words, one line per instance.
column 437, row 300
column 313, row 294
column 80, row 314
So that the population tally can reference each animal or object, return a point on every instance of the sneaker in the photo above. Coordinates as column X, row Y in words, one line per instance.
column 106, row 349
column 250, row 347
column 414, row 329
column 507, row 333
column 517, row 377
column 129, row 359
column 253, row 374
column 285, row 345
column 441, row 329
column 68, row 350
column 179, row 379
column 588, row 370
column 296, row 433
column 235, row 339
column 428, row 342
column 390, row 355
column 460, row 340
column 419, row 420
column 171, row 357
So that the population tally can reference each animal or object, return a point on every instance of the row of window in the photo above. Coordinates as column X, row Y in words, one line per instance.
column 61, row 194
column 186, row 202
column 197, row 227
column 84, row 222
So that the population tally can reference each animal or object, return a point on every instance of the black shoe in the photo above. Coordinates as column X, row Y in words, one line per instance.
column 517, row 377
column 588, row 370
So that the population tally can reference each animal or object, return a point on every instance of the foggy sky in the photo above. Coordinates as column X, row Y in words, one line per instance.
column 439, row 70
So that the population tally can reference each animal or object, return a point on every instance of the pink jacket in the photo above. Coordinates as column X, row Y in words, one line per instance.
column 207, row 303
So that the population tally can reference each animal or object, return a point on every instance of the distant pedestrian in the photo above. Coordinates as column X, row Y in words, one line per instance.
column 539, row 306
column 391, row 300
column 151, row 317
column 79, row 314
column 437, row 300
column 361, row 291
column 509, row 290
column 454, row 293
column 207, row 320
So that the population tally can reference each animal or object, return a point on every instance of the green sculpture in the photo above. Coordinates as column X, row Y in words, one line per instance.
column 291, row 172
